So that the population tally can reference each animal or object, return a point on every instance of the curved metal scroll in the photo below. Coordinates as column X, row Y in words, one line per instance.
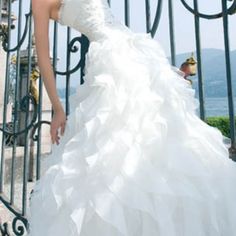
column 231, row 10
column 5, row 36
column 23, row 105
column 73, row 49
column 19, row 223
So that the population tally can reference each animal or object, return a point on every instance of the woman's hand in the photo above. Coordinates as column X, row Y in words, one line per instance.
column 58, row 123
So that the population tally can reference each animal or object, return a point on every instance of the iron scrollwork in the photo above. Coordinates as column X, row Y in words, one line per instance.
column 72, row 48
column 231, row 10
column 4, row 32
column 36, row 127
column 19, row 230
column 19, row 223
column 24, row 103
column 4, row 229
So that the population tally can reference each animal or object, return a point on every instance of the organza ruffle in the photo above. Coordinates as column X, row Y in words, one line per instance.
column 135, row 159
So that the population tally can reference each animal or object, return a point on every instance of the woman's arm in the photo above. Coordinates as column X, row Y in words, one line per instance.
column 41, row 15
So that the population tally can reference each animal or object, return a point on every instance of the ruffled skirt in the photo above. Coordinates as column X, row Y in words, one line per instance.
column 135, row 159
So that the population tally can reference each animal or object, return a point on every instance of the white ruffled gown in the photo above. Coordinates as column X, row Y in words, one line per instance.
column 135, row 159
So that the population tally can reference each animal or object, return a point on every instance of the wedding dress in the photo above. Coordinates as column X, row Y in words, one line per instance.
column 135, row 159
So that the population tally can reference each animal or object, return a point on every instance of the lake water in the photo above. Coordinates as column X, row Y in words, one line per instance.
column 217, row 106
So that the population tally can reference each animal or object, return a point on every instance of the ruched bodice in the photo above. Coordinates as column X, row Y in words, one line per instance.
column 90, row 17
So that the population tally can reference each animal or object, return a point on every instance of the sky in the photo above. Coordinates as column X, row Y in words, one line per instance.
column 211, row 30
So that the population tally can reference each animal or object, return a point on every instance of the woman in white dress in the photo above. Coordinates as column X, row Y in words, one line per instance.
column 135, row 159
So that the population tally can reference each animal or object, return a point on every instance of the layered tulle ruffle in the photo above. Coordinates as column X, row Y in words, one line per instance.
column 135, row 159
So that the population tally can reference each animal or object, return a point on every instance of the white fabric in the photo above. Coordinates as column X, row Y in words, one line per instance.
column 135, row 159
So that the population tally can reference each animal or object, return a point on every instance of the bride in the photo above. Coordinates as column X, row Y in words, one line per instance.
column 133, row 157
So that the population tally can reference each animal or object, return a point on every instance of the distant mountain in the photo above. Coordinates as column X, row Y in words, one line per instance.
column 214, row 72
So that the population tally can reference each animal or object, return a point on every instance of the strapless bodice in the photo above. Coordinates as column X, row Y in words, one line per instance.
column 90, row 17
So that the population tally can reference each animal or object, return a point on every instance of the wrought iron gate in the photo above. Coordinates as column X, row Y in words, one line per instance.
column 24, row 116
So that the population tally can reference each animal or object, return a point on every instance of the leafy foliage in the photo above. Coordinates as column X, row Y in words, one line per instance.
column 220, row 122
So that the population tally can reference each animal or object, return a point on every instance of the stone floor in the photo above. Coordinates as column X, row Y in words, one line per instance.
column 5, row 214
